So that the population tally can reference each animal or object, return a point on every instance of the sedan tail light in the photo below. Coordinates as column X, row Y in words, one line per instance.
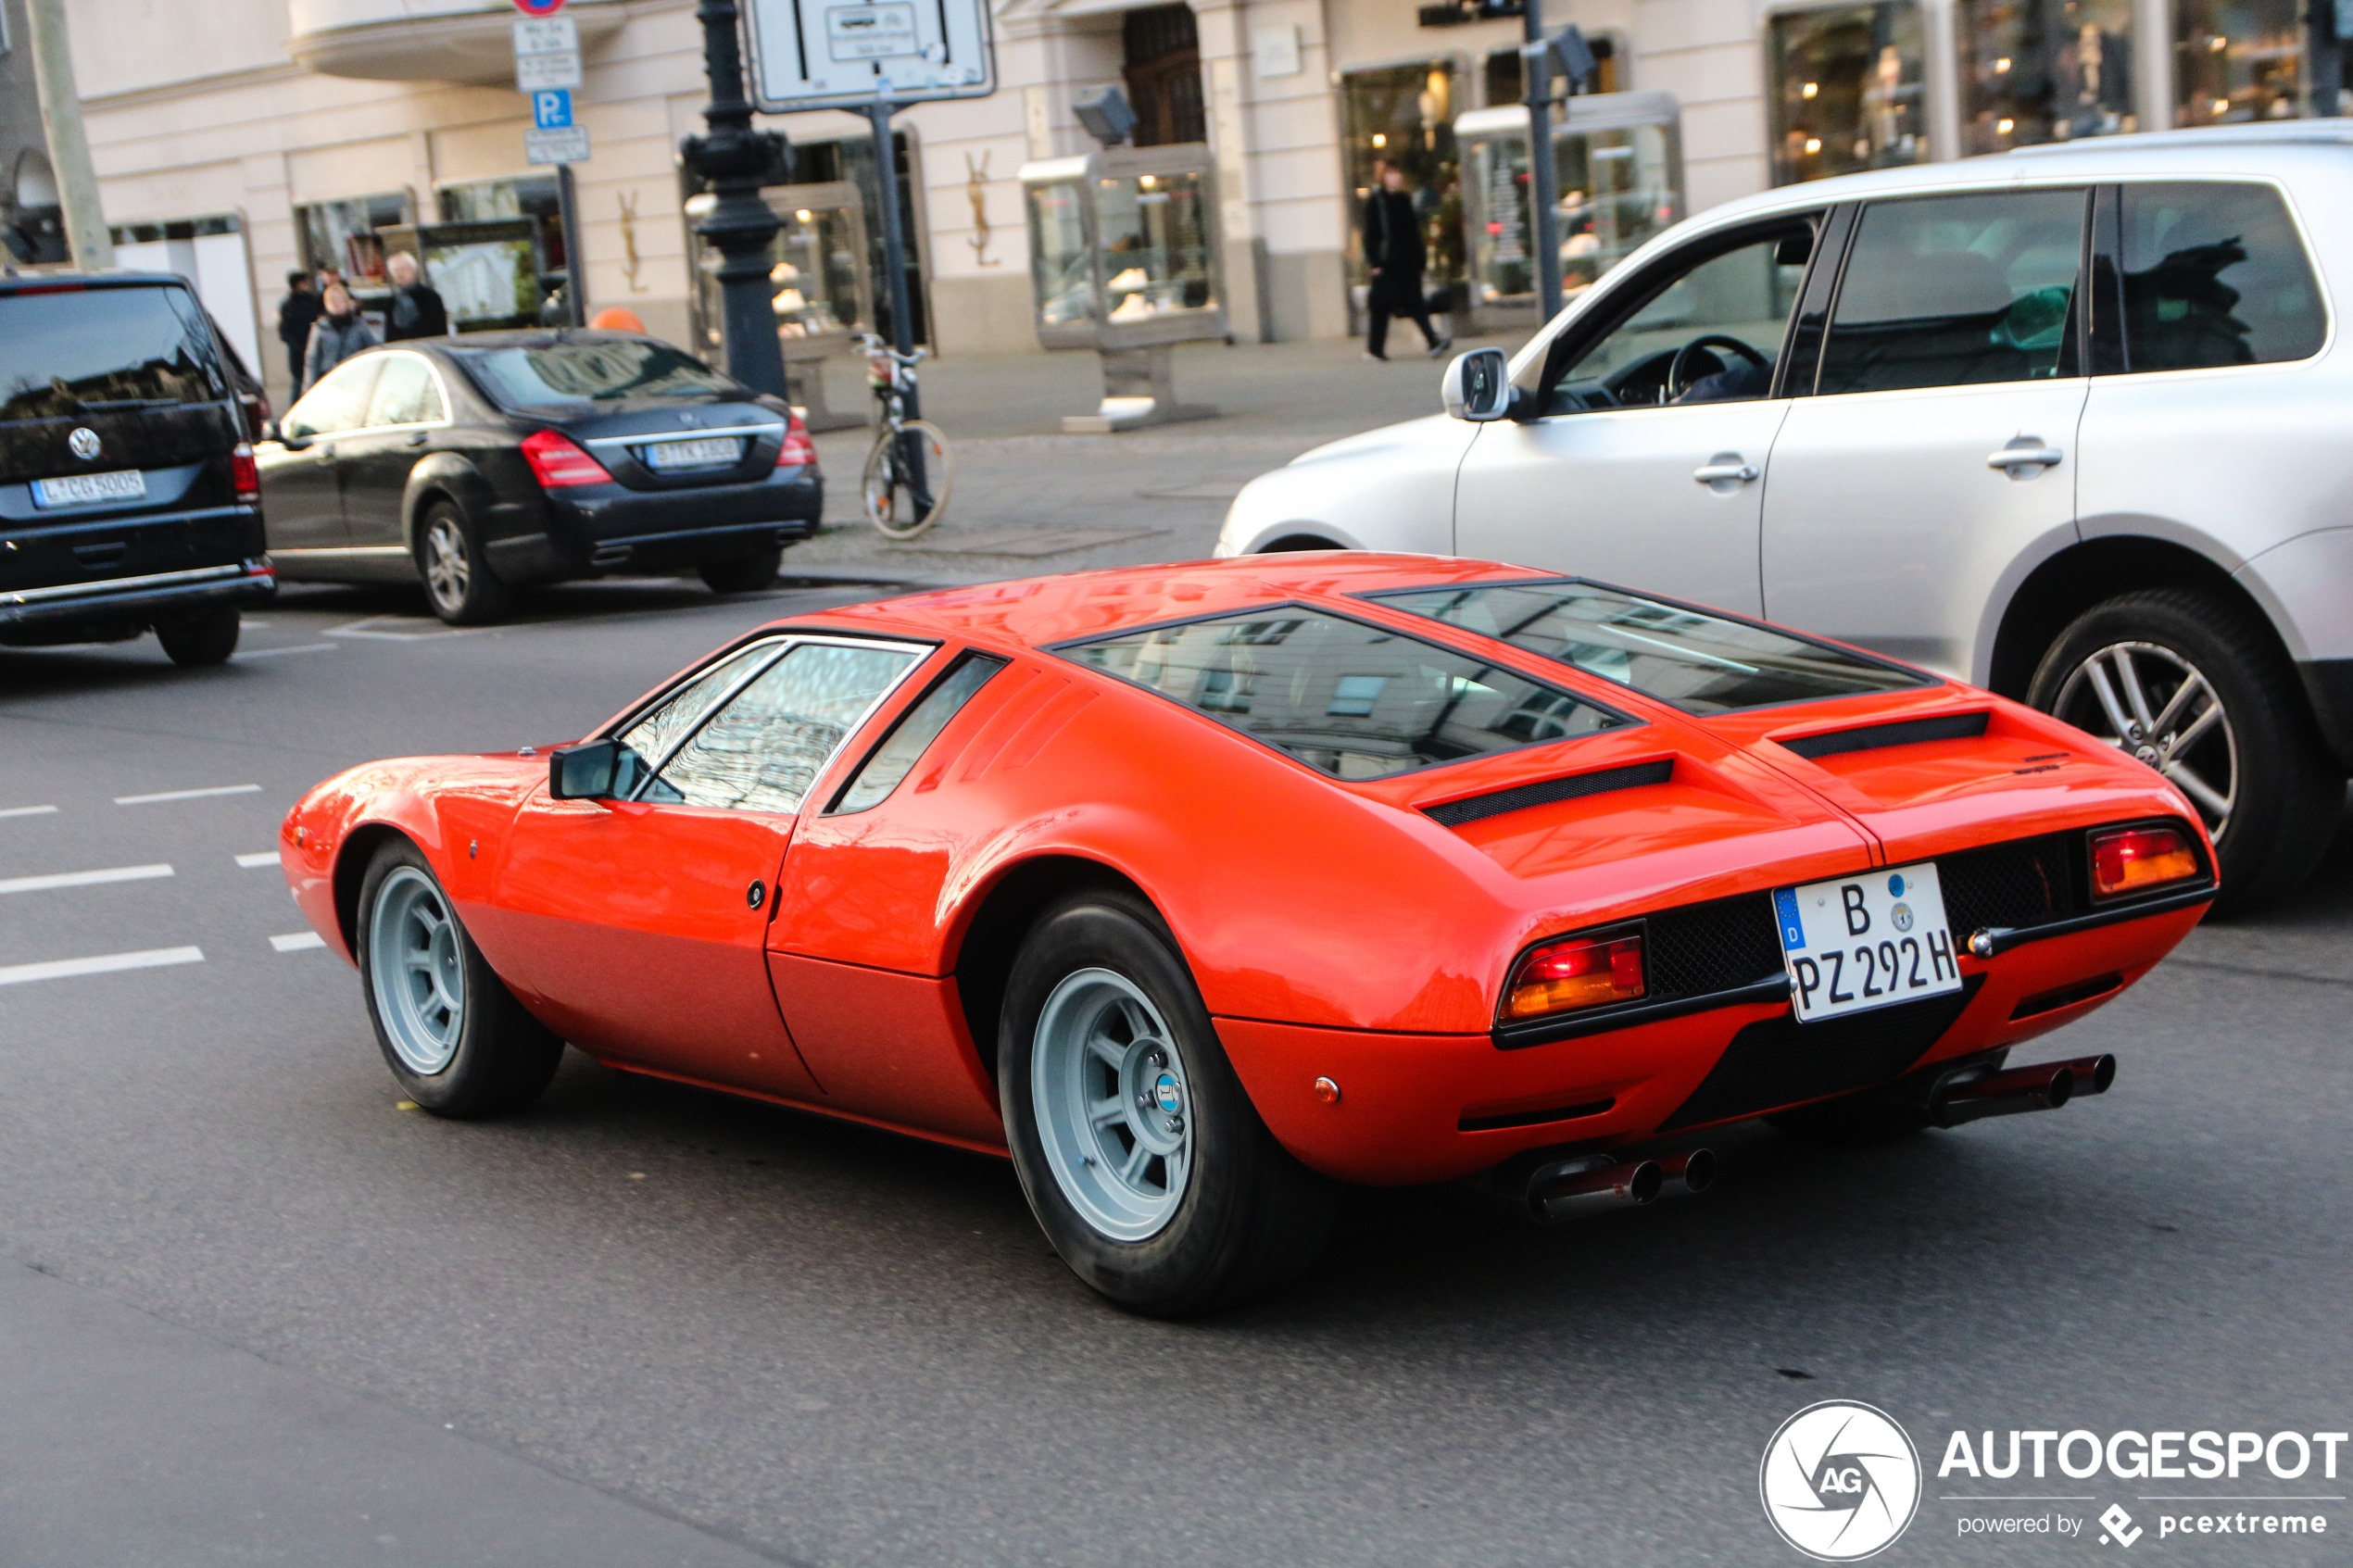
column 1577, row 971
column 557, row 461
column 798, row 451
column 2135, row 859
column 244, row 474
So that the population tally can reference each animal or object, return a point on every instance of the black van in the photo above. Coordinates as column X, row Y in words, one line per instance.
column 128, row 500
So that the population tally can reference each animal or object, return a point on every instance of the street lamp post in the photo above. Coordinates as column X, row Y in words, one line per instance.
column 736, row 162
column 1543, row 177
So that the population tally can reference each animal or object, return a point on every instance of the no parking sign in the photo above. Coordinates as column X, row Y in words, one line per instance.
column 539, row 7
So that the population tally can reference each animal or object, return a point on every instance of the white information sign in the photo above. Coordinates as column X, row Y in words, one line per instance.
column 546, row 53
column 567, row 145
column 845, row 53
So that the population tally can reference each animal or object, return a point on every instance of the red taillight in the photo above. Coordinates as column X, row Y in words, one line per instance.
column 1581, row 972
column 798, row 451
column 244, row 474
column 555, row 461
column 2134, row 860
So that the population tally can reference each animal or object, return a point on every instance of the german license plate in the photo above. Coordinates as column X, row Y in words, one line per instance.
column 705, row 452
column 81, row 489
column 1865, row 941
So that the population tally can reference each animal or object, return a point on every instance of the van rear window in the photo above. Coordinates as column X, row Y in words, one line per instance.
column 106, row 350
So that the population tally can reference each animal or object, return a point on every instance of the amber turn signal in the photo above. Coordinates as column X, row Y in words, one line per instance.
column 1581, row 972
column 2134, row 860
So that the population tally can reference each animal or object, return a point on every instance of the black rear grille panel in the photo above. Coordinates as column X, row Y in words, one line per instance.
column 1454, row 813
column 1779, row 1061
column 2021, row 884
column 1717, row 946
column 1904, row 732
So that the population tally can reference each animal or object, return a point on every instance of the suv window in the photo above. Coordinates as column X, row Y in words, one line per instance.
column 339, row 403
column 83, row 350
column 405, row 393
column 1741, row 296
column 2214, row 274
column 1957, row 291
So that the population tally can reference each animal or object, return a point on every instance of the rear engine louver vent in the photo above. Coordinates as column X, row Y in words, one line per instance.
column 1454, row 813
column 1906, row 732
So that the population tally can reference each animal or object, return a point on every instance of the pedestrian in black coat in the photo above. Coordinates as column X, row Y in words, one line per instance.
column 295, row 313
column 1393, row 251
column 415, row 308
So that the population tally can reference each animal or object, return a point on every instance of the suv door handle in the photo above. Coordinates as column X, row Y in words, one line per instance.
column 1726, row 469
column 2028, row 456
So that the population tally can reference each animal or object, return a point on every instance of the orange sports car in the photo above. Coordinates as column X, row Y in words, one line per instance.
column 1201, row 890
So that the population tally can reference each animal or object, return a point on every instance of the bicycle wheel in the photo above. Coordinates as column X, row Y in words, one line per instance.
column 896, row 505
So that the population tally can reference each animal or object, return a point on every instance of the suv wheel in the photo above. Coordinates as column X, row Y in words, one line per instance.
column 2195, row 688
column 458, row 581
column 207, row 637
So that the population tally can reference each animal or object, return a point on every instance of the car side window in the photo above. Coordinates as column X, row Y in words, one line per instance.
column 1709, row 334
column 654, row 733
column 1957, row 291
column 2214, row 274
column 339, row 403
column 897, row 755
column 405, row 393
column 762, row 750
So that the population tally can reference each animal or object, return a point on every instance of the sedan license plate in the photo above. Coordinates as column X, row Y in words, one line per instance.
column 82, row 489
column 706, row 452
column 1865, row 941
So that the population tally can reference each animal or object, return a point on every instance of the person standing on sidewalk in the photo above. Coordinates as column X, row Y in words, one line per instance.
column 1393, row 251
column 415, row 310
column 295, row 313
column 335, row 336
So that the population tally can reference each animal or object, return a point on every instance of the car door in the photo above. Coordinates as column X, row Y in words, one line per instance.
column 1937, row 455
column 1647, row 463
column 639, row 924
column 301, row 500
column 404, row 410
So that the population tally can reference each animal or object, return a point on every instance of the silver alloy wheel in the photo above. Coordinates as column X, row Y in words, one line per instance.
column 448, row 567
column 1114, row 1108
column 2152, row 704
column 418, row 970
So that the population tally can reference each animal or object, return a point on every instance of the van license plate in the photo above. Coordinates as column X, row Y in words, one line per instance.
column 710, row 452
column 1865, row 941
column 82, row 489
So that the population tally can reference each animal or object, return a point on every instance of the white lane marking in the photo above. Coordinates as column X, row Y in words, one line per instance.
column 266, row 858
column 186, row 794
column 272, row 653
column 27, row 811
column 300, row 941
column 81, row 879
column 387, row 628
column 67, row 969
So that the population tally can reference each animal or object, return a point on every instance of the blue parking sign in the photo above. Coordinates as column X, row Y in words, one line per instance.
column 551, row 108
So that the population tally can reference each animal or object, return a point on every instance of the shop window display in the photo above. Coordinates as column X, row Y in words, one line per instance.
column 1845, row 90
column 2237, row 60
column 2043, row 71
column 1403, row 116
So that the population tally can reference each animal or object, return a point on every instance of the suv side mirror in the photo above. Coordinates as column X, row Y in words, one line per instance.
column 1479, row 385
column 583, row 771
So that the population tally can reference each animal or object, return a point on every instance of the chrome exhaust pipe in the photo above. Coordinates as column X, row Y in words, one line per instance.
column 1571, row 1187
column 1692, row 1173
column 2045, row 1086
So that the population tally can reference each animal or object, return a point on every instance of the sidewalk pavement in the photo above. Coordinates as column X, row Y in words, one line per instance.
column 1028, row 500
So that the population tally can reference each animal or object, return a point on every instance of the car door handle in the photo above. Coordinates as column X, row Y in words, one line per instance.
column 1725, row 473
column 2024, row 456
column 416, row 438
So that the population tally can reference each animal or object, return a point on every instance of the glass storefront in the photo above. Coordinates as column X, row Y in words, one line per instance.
column 1845, row 90
column 2043, row 71
column 342, row 234
column 1404, row 116
column 817, row 277
column 2237, row 60
column 1123, row 245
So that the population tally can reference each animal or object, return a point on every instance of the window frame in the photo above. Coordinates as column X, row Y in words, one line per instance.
column 1273, row 610
column 958, row 661
column 2106, row 351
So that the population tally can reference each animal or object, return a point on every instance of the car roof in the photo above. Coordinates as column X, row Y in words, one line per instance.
column 1040, row 612
column 530, row 337
column 62, row 282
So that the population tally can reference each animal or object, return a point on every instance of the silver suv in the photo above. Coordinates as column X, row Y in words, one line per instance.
column 2070, row 423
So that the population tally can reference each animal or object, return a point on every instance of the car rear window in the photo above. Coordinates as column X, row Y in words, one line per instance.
column 590, row 372
column 1348, row 699
column 105, row 350
column 1685, row 658
column 2214, row 274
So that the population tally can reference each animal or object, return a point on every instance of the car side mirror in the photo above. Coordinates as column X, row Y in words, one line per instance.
column 1478, row 386
column 583, row 771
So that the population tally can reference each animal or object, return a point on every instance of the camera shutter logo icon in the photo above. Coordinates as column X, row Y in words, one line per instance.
column 1840, row 1481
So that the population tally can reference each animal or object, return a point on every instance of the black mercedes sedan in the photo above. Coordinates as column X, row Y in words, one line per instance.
column 483, row 462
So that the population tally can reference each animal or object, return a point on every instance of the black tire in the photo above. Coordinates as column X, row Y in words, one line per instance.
column 2285, row 791
column 746, row 574
column 1250, row 1219
column 458, row 581
column 207, row 637
column 503, row 1057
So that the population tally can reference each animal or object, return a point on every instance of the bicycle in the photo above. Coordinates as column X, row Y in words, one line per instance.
column 910, row 462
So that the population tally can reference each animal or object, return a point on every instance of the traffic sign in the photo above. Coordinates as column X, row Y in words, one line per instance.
column 551, row 109
column 539, row 7
column 569, row 144
column 546, row 53
column 846, row 54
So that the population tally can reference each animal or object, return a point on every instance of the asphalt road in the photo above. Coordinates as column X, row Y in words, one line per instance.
column 252, row 1312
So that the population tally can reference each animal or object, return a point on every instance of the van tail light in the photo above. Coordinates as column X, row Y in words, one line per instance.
column 2135, row 859
column 798, row 451
column 557, row 461
column 1579, row 971
column 244, row 474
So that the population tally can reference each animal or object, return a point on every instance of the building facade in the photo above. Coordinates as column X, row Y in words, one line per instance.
column 299, row 127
